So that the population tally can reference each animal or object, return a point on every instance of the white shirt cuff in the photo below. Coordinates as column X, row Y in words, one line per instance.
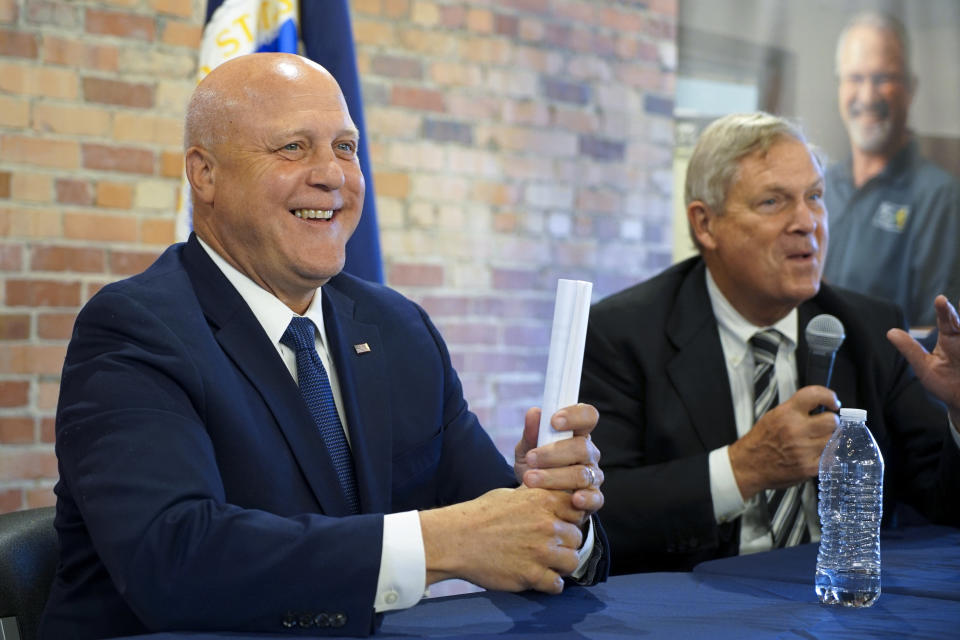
column 953, row 431
column 403, row 564
column 727, row 501
column 584, row 552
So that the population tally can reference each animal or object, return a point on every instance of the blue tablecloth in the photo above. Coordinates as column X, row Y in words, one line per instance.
column 763, row 596
column 917, row 561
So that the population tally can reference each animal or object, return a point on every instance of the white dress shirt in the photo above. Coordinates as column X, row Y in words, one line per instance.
column 402, row 578
column 735, row 334
column 403, row 572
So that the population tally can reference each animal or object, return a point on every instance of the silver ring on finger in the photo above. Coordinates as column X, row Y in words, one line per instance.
column 593, row 477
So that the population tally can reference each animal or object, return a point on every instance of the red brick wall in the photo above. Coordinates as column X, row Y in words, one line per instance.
column 513, row 142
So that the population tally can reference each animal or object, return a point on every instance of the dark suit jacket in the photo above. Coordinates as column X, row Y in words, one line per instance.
column 654, row 368
column 195, row 491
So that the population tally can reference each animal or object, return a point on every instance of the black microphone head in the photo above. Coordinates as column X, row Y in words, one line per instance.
column 824, row 334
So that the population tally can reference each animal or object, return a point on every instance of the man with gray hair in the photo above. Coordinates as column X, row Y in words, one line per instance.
column 895, row 216
column 708, row 422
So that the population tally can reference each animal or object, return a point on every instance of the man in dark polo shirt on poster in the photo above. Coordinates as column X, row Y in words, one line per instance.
column 894, row 216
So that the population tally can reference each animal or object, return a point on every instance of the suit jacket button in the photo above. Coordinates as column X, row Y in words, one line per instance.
column 305, row 621
column 338, row 620
column 289, row 621
column 322, row 620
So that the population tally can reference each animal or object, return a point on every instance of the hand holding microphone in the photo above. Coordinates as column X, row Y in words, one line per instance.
column 784, row 445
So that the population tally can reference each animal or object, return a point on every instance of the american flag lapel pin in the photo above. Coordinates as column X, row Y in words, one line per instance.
column 361, row 348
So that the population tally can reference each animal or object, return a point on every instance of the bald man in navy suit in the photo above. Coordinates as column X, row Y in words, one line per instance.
column 196, row 491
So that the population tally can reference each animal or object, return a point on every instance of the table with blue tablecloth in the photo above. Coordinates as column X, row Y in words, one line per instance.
column 768, row 595
column 918, row 561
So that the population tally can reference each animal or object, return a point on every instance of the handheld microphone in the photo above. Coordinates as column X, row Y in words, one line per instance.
column 824, row 335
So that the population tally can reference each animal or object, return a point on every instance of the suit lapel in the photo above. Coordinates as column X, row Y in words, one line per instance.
column 242, row 338
column 698, row 371
column 365, row 393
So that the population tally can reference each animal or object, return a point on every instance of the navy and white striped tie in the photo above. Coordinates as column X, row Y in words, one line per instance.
column 316, row 392
column 788, row 524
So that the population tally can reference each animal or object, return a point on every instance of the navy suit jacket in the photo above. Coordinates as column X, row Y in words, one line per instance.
column 195, row 491
column 655, row 370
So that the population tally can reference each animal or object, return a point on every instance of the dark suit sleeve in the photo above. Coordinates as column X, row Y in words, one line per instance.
column 597, row 568
column 658, row 511
column 138, row 465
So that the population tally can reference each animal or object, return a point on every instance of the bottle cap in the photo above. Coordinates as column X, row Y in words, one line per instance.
column 860, row 415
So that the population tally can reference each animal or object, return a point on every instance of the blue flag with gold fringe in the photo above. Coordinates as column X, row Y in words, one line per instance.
column 237, row 27
column 328, row 40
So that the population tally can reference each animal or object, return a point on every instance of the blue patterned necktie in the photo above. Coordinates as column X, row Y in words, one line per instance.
column 315, row 389
column 788, row 524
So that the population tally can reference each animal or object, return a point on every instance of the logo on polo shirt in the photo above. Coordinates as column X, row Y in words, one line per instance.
column 891, row 217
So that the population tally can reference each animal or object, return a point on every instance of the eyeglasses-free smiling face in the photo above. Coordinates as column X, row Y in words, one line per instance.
column 286, row 188
column 875, row 89
column 766, row 249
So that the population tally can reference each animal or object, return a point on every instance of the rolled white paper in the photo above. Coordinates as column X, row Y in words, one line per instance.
column 565, row 361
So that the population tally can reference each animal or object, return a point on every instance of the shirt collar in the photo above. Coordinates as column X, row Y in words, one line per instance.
column 271, row 313
column 736, row 331
column 896, row 168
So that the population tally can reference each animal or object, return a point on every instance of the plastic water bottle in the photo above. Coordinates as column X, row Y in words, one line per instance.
column 850, row 507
